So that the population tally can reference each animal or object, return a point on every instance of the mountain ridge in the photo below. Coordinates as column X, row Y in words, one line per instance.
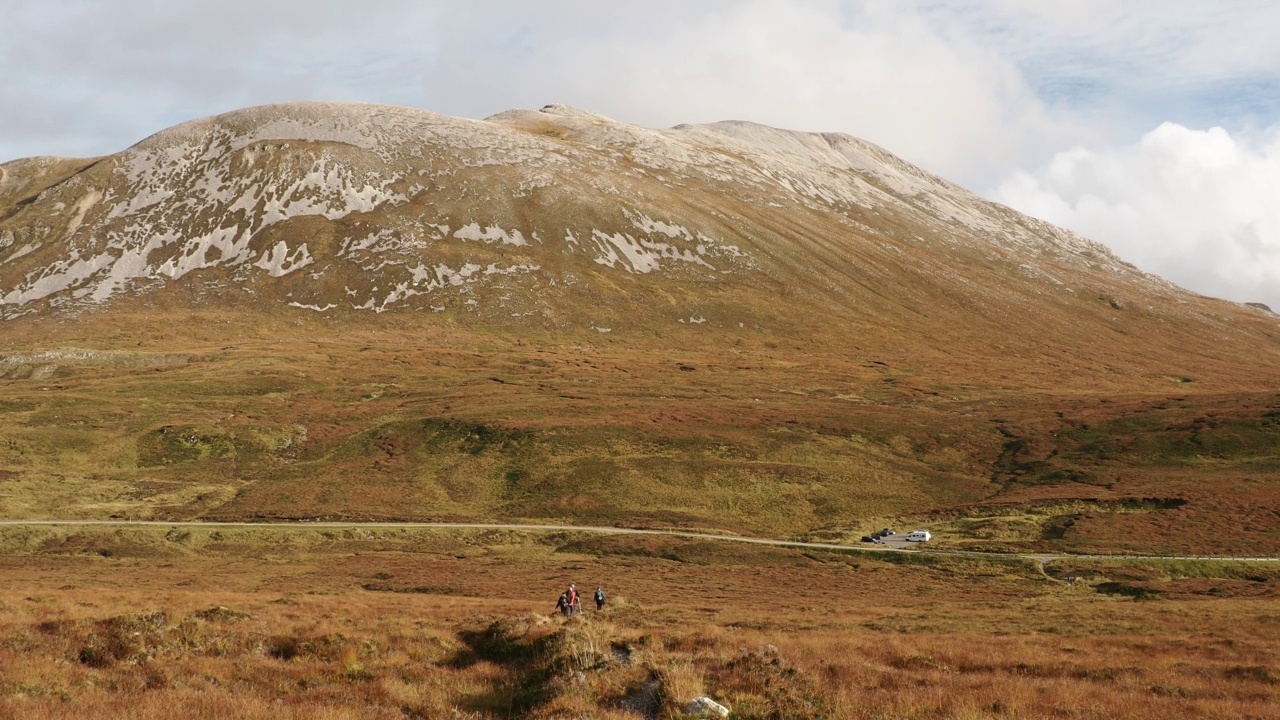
column 428, row 206
column 337, row 124
column 565, row 222
column 369, row 311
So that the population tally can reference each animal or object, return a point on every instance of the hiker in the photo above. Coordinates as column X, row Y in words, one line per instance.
column 574, row 605
column 562, row 605
column 599, row 599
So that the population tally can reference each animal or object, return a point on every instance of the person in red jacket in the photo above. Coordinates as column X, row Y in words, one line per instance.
column 573, row 600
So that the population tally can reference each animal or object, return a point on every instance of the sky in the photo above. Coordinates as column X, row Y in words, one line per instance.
column 1152, row 126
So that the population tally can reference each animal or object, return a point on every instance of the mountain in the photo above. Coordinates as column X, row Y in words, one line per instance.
column 334, row 309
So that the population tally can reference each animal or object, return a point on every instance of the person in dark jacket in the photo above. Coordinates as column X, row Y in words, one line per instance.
column 562, row 605
column 599, row 599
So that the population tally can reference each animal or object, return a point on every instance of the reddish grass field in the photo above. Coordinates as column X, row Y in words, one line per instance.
column 364, row 624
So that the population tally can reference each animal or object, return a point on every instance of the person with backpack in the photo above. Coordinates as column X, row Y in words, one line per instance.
column 574, row 605
column 562, row 605
column 599, row 599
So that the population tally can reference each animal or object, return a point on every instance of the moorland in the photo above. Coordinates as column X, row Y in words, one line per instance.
column 384, row 623
column 392, row 421
column 364, row 314
column 371, row 622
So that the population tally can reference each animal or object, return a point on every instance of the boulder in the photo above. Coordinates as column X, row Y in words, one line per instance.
column 705, row 707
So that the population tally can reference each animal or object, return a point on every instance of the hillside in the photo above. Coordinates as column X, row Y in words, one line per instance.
column 364, row 311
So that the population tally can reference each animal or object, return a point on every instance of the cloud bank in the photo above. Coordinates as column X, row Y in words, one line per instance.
column 1199, row 207
column 881, row 71
column 92, row 78
column 988, row 93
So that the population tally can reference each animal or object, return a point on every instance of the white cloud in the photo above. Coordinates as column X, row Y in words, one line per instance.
column 1198, row 207
column 89, row 78
column 1170, row 43
column 887, row 72
column 877, row 70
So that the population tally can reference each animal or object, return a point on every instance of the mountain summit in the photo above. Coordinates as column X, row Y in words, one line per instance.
column 557, row 220
column 517, row 219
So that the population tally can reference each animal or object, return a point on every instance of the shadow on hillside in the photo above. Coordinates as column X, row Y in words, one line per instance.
column 525, row 659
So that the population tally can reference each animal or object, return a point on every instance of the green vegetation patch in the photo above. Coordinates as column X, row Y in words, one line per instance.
column 1158, row 436
column 175, row 444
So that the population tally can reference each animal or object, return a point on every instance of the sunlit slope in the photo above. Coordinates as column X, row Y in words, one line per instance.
column 368, row 311
column 560, row 221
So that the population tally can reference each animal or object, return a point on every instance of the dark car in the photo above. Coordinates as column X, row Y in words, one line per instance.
column 886, row 532
column 870, row 538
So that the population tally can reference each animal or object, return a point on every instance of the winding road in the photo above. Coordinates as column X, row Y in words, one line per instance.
column 1040, row 558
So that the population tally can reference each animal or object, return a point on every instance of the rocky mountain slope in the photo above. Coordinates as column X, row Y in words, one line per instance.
column 325, row 207
column 720, row 285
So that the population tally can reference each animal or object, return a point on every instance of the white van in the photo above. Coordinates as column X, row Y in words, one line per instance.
column 918, row 536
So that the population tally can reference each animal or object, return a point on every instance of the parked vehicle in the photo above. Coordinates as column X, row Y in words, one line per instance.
column 918, row 536
column 887, row 532
column 870, row 539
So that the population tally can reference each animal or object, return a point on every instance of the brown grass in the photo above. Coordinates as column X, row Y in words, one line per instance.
column 458, row 626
